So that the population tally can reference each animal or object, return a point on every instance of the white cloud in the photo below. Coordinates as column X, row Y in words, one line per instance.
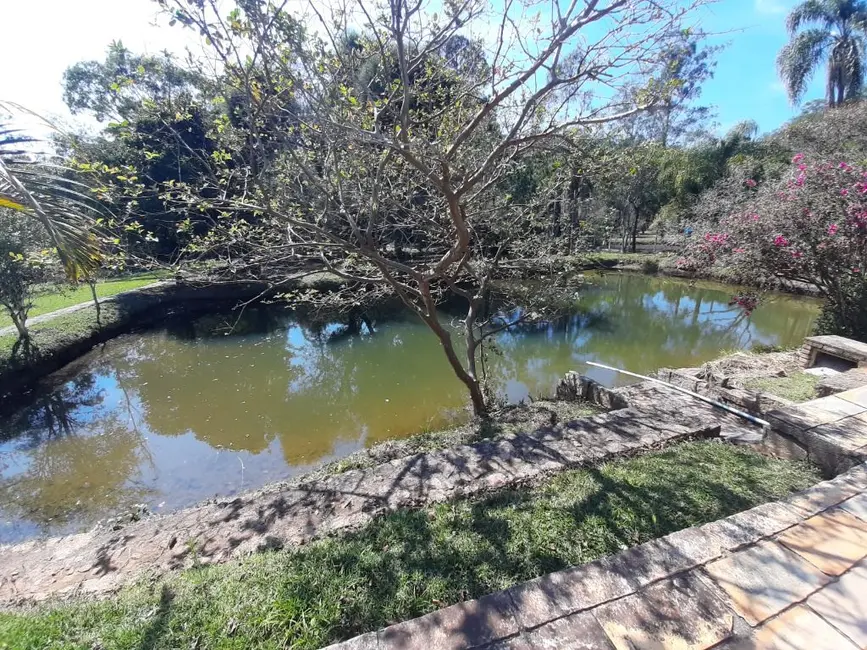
column 771, row 7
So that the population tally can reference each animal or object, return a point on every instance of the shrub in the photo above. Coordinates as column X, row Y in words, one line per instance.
column 650, row 266
column 811, row 227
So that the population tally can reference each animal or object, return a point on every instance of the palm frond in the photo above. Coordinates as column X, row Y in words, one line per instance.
column 810, row 11
column 798, row 60
column 50, row 194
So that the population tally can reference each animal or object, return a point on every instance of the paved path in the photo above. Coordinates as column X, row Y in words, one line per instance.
column 9, row 330
column 788, row 575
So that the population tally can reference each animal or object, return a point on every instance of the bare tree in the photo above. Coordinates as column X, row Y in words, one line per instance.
column 376, row 137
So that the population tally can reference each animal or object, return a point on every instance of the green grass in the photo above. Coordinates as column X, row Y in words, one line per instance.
column 54, row 334
column 797, row 387
column 53, row 300
column 412, row 562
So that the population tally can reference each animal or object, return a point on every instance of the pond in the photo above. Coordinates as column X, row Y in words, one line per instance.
column 178, row 414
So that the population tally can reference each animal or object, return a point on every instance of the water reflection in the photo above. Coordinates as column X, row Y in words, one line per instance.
column 173, row 416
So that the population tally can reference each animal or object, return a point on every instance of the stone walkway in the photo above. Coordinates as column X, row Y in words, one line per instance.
column 788, row 575
column 101, row 560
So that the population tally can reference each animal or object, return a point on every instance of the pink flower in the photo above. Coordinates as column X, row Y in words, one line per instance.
column 856, row 270
column 780, row 241
column 844, row 192
column 716, row 237
column 739, row 250
column 798, row 158
column 833, row 228
column 799, row 181
column 750, row 182
column 797, row 254
column 862, row 187
column 754, row 217
column 843, row 165
column 802, row 167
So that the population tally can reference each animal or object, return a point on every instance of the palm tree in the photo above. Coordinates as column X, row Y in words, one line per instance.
column 49, row 193
column 837, row 40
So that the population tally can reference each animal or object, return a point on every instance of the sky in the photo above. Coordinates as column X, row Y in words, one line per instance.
column 43, row 37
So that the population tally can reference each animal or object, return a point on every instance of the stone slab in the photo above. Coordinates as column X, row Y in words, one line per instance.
column 666, row 556
column 750, row 526
column 857, row 396
column 833, row 406
column 794, row 420
column 369, row 641
column 577, row 632
column 833, row 541
column 843, row 604
column 839, row 346
column 677, row 613
column 842, row 381
column 820, row 497
column 797, row 629
column 466, row 625
column 849, row 434
column 566, row 592
column 765, row 579
column 857, row 506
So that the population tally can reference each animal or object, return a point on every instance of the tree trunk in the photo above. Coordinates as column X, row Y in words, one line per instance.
column 634, row 228
column 429, row 316
column 477, row 397
column 20, row 322
column 96, row 304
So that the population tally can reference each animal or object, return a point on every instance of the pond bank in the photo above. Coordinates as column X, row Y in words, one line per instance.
column 60, row 337
column 412, row 562
column 101, row 560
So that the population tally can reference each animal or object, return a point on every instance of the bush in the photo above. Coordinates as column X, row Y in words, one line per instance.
column 650, row 266
column 811, row 227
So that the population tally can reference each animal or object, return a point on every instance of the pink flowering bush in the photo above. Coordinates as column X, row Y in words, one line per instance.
column 811, row 227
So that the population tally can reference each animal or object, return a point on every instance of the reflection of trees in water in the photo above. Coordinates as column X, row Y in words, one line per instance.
column 642, row 324
column 55, row 413
column 275, row 380
column 80, row 459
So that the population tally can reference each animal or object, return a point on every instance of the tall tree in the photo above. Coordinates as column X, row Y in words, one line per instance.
column 427, row 153
column 836, row 40
column 676, row 118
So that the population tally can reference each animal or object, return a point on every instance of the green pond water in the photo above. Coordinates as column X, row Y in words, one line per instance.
column 181, row 413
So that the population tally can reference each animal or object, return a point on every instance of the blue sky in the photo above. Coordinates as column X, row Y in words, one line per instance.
column 746, row 85
column 32, row 60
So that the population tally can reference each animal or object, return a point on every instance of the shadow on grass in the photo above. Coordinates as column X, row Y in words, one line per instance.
column 157, row 622
column 414, row 562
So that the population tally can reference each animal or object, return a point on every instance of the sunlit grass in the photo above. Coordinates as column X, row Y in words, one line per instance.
column 797, row 387
column 53, row 300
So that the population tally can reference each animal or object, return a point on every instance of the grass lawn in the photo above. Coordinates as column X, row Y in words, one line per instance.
column 54, row 300
column 797, row 387
column 412, row 562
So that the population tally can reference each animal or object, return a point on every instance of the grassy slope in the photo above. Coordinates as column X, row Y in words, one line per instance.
column 52, row 301
column 55, row 333
column 412, row 562
column 797, row 387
